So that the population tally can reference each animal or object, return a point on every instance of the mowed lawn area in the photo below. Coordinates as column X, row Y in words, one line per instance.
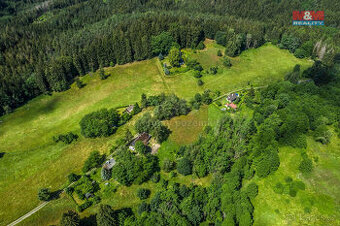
column 32, row 160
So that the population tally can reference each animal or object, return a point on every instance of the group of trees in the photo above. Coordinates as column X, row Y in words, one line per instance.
column 132, row 168
column 104, row 122
column 153, row 126
column 100, row 123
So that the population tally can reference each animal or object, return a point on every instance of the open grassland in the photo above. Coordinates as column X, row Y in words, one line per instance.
column 258, row 67
column 318, row 204
column 32, row 160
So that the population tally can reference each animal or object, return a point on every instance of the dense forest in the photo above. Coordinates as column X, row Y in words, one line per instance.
column 45, row 45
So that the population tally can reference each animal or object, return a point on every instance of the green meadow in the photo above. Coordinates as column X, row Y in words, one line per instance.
column 318, row 204
column 32, row 160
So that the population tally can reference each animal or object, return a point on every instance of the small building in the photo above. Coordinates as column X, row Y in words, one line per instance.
column 88, row 195
column 231, row 105
column 232, row 97
column 109, row 164
column 129, row 109
column 144, row 137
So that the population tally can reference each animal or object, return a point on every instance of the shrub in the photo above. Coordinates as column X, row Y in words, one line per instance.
column 200, row 82
column 226, row 61
column 102, row 74
column 200, row 45
column 143, row 207
column 101, row 123
column 69, row 190
column 166, row 71
column 168, row 165
column 105, row 174
column 219, row 53
column 143, row 193
column 252, row 190
column 197, row 74
column 66, row 138
column 213, row 70
column 94, row 160
column 155, row 177
column 306, row 165
column 174, row 57
column 279, row 188
column 84, row 206
column 79, row 83
column 70, row 218
column 160, row 56
column 72, row 177
column 44, row 194
column 141, row 148
column 184, row 166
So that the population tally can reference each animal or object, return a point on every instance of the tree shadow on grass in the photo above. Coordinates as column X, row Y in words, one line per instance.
column 89, row 221
column 2, row 154
column 31, row 112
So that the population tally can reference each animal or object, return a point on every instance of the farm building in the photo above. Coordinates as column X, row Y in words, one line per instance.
column 231, row 105
column 144, row 137
column 232, row 97
column 129, row 109
column 109, row 164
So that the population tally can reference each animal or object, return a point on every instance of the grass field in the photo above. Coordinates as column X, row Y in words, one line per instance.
column 32, row 160
column 318, row 204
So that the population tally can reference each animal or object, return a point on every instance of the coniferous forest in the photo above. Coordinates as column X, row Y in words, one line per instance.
column 44, row 45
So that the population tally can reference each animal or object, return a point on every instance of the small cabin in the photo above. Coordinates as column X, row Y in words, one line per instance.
column 232, row 97
column 144, row 137
column 129, row 109
column 109, row 164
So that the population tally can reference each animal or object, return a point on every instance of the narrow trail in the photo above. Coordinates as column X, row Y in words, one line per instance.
column 162, row 75
column 36, row 209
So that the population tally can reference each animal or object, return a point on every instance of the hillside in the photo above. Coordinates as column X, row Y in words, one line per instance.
column 32, row 160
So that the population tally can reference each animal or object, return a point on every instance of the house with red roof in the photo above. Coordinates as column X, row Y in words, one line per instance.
column 231, row 105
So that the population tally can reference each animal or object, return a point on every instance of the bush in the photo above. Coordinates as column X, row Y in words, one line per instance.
column 213, row 70
column 226, row 61
column 79, row 83
column 72, row 177
column 197, row 74
column 44, row 194
column 200, row 45
column 184, row 166
column 279, row 188
column 143, row 207
column 69, row 190
column 252, row 190
column 84, row 206
column 94, row 160
column 70, row 218
column 143, row 193
column 141, row 148
column 306, row 165
column 200, row 82
column 174, row 57
column 219, row 53
column 101, row 123
column 168, row 165
column 66, row 138
column 105, row 174
column 155, row 177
